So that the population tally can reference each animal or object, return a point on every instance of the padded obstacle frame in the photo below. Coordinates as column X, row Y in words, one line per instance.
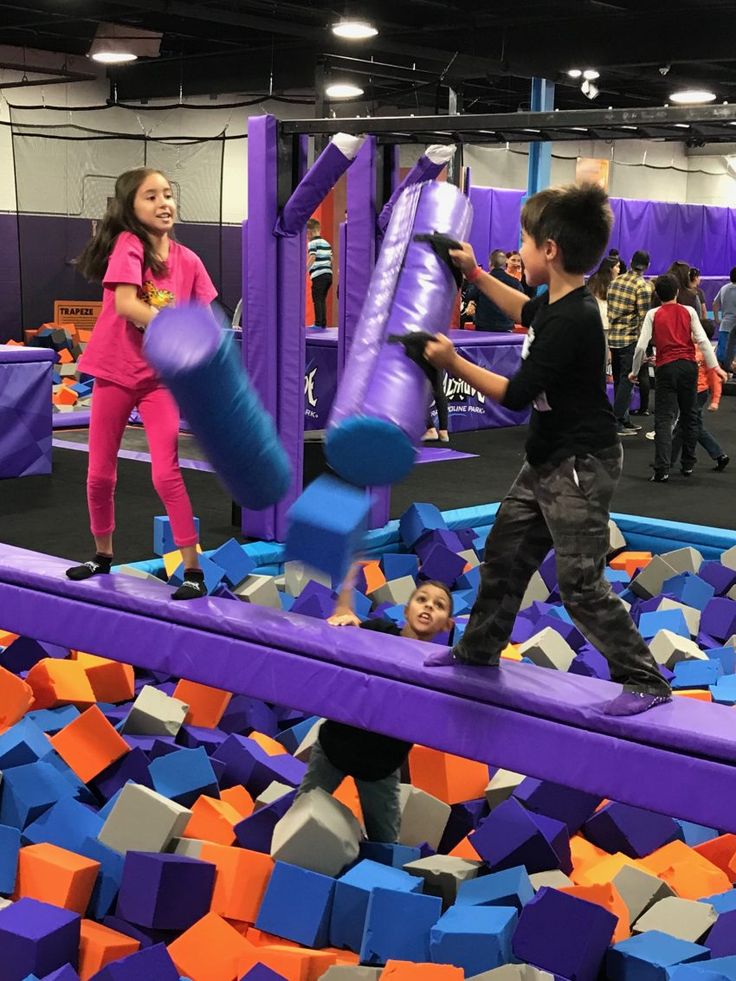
column 679, row 759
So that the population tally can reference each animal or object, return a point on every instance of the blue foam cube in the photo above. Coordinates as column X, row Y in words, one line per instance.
column 727, row 657
column 29, row 790
column 724, row 690
column 65, row 973
column 234, row 562
column 650, row 956
column 697, row 674
column 352, row 893
column 689, row 589
column 108, row 879
column 213, row 574
column 67, row 824
column 716, row 969
column 673, row 620
column 297, row 905
column 163, row 540
column 52, row 720
column 395, row 565
column 23, row 743
column 9, row 848
column 475, row 938
column 417, row 520
column 184, row 775
column 722, row 902
column 326, row 525
column 396, row 856
column 397, row 926
column 695, row 834
column 510, row 887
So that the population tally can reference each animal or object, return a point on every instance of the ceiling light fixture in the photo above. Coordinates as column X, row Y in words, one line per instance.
column 692, row 97
column 115, row 44
column 343, row 90
column 589, row 89
column 575, row 73
column 354, row 30
column 591, row 74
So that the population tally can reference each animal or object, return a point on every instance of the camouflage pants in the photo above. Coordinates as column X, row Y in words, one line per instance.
column 565, row 506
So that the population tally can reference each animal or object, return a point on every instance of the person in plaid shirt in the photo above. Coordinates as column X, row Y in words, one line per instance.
column 629, row 300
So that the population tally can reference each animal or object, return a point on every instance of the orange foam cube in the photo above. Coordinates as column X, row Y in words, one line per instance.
column 64, row 396
column 347, row 794
column 374, row 576
column 463, row 849
column 697, row 693
column 12, row 343
column 583, row 854
column 99, row 945
column 696, row 879
column 511, row 652
column 241, row 880
column 212, row 950
column 206, row 705
column 58, row 682
column 604, row 871
column 667, row 856
column 452, row 779
column 65, row 356
column 407, row 971
column 16, row 698
column 721, row 852
column 7, row 637
column 267, row 744
column 112, row 681
column 89, row 744
column 607, row 896
column 296, row 963
column 239, row 798
column 55, row 875
column 212, row 820
column 631, row 561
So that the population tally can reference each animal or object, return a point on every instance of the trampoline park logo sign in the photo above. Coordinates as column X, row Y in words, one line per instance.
column 459, row 391
column 310, row 391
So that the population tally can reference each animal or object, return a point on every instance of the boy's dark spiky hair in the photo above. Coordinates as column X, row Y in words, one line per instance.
column 578, row 218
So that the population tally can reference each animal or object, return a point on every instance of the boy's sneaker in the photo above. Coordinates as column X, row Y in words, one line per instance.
column 659, row 478
column 687, row 471
column 722, row 462
column 627, row 430
column 650, row 435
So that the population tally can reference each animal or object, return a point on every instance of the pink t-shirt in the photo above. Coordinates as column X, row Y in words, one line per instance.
column 114, row 351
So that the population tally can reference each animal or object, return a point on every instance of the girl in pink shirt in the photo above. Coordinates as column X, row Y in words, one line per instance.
column 142, row 269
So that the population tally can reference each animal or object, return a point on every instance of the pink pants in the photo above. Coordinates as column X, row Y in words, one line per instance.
column 111, row 407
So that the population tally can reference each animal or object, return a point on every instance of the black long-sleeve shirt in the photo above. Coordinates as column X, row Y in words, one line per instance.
column 563, row 374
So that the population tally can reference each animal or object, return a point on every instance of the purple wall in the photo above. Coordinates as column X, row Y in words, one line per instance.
column 41, row 270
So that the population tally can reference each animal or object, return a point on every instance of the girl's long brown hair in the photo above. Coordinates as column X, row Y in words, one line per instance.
column 120, row 217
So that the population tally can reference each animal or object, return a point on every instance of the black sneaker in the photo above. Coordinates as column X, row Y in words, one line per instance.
column 641, row 412
column 687, row 471
column 632, row 425
column 627, row 430
column 193, row 586
column 659, row 478
column 722, row 462
column 99, row 565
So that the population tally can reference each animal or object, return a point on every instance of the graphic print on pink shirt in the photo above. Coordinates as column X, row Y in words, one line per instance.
column 114, row 351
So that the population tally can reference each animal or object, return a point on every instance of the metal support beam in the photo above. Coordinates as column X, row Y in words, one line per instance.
column 540, row 152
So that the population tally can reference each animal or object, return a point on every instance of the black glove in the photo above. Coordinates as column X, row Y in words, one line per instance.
column 415, row 343
column 441, row 244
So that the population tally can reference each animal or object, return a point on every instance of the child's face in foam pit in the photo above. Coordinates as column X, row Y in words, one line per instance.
column 428, row 612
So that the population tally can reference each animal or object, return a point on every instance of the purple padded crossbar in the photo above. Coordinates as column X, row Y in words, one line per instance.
column 679, row 759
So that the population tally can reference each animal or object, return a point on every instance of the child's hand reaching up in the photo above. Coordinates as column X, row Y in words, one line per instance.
column 344, row 620
column 464, row 257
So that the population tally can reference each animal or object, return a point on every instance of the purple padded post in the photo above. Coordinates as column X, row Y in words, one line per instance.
column 25, row 411
column 424, row 169
column 314, row 186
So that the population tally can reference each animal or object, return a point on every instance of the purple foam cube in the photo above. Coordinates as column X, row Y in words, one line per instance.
column 447, row 539
column 256, row 831
column 244, row 714
column 566, row 630
column 133, row 766
column 719, row 618
column 315, row 600
column 720, row 577
column 572, row 807
column 632, row 830
column 262, row 973
column 564, row 935
column 65, row 973
column 548, row 570
column 417, row 520
column 24, row 652
column 536, row 610
column 248, row 764
column 165, row 892
column 464, row 818
column 590, row 663
column 523, row 629
column 37, row 938
column 442, row 564
column 145, row 936
column 512, row 836
column 722, row 938
column 196, row 737
column 146, row 964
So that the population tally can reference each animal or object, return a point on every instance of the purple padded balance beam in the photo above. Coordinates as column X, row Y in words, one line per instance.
column 679, row 759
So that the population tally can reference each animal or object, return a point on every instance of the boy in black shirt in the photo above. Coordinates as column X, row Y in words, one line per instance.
column 562, row 495
column 373, row 760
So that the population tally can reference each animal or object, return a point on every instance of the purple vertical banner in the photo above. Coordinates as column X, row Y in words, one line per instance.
column 291, row 303
column 260, row 347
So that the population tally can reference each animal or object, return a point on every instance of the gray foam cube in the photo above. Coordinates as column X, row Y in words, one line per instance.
column 685, row 919
column 686, row 559
column 640, row 890
column 470, row 556
column 501, row 786
column 616, row 540
column 548, row 649
column 260, row 591
column 692, row 616
column 273, row 792
column 536, row 592
column 423, row 817
column 189, row 847
column 143, row 821
column 349, row 972
column 649, row 581
column 728, row 558
column 304, row 749
column 443, row 874
column 129, row 570
column 553, row 879
column 395, row 591
column 297, row 575
column 668, row 648
column 4, row 903
column 317, row 833
column 513, row 972
column 154, row 713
